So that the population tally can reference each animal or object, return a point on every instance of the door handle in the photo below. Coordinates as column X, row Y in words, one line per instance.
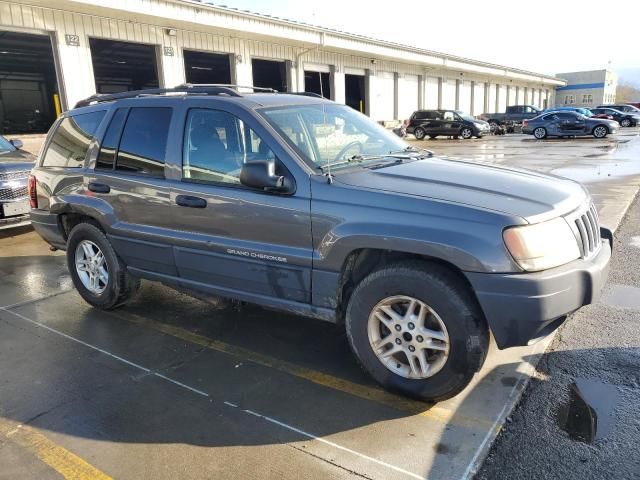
column 191, row 202
column 99, row 187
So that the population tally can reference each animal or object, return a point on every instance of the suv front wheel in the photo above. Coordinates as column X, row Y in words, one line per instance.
column 415, row 329
column 98, row 274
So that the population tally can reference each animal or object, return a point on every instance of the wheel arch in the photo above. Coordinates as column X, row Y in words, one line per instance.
column 362, row 261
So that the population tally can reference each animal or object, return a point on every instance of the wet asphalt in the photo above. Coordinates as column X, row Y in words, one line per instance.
column 175, row 387
column 580, row 416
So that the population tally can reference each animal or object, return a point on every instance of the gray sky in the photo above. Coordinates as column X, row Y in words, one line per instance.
column 546, row 36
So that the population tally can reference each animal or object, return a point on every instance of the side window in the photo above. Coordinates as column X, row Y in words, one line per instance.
column 449, row 116
column 421, row 115
column 144, row 141
column 217, row 144
column 71, row 140
column 107, row 155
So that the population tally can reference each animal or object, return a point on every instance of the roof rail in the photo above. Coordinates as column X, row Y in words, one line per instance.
column 229, row 85
column 307, row 94
column 186, row 88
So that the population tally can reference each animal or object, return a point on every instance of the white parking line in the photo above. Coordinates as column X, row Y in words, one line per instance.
column 200, row 392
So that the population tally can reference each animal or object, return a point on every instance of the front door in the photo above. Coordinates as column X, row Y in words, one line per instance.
column 451, row 123
column 230, row 237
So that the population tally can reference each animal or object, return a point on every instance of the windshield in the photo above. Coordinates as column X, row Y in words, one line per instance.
column 327, row 134
column 6, row 146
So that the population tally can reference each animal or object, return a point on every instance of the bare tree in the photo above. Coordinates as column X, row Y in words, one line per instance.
column 627, row 92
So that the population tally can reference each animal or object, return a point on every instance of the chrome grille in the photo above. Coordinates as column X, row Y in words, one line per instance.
column 588, row 227
column 13, row 193
column 6, row 176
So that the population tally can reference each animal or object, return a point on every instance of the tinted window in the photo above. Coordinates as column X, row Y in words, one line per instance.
column 144, row 141
column 420, row 115
column 217, row 144
column 107, row 155
column 71, row 140
column 566, row 116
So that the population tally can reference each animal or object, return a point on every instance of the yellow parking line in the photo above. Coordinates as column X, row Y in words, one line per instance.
column 432, row 412
column 67, row 464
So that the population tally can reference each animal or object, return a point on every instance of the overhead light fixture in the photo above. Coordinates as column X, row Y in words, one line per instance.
column 171, row 32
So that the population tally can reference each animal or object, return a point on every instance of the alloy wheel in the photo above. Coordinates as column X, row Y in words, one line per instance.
column 91, row 267
column 408, row 337
column 600, row 132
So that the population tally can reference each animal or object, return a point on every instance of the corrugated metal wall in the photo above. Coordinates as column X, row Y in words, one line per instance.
column 77, row 73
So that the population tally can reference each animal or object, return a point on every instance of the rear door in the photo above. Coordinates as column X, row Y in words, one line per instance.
column 129, row 176
column 231, row 237
column 432, row 122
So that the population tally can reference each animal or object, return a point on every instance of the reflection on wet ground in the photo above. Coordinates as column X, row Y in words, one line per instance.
column 587, row 416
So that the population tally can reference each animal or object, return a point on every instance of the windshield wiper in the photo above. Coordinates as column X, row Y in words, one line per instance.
column 413, row 149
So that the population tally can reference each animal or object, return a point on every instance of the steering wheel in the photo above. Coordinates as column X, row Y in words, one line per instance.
column 346, row 148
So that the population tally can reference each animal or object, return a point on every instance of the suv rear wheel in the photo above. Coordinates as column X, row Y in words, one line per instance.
column 98, row 274
column 415, row 329
column 419, row 133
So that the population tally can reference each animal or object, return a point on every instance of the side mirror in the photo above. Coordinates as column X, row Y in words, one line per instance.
column 17, row 143
column 262, row 174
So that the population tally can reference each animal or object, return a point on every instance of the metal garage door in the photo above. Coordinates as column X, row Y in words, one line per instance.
column 407, row 96
column 478, row 99
column 492, row 98
column 464, row 98
column 449, row 94
column 431, row 93
column 384, row 98
column 502, row 98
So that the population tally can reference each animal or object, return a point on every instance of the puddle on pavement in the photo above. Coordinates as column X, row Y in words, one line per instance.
column 622, row 296
column 588, row 414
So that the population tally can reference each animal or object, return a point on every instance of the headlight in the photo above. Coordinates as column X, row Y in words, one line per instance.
column 479, row 125
column 543, row 245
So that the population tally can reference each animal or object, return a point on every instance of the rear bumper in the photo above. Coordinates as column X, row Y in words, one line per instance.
column 48, row 227
column 14, row 222
column 521, row 307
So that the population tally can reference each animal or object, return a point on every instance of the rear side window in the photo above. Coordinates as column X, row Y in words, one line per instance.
column 71, row 140
column 107, row 156
column 144, row 141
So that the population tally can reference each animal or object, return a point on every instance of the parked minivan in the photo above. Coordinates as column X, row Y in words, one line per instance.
column 449, row 123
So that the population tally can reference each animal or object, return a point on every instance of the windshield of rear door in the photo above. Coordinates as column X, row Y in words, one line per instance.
column 6, row 146
column 326, row 134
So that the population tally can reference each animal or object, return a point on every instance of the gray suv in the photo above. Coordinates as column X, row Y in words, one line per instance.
column 303, row 205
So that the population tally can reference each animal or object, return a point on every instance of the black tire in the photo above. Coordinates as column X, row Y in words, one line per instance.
column 443, row 291
column 419, row 133
column 121, row 286
column 625, row 122
column 600, row 131
column 541, row 133
column 466, row 133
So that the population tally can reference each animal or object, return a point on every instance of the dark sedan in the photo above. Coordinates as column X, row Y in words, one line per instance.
column 15, row 165
column 625, row 119
column 568, row 124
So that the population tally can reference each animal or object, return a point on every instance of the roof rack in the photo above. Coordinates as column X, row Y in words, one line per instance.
column 227, row 90
column 307, row 94
column 229, row 85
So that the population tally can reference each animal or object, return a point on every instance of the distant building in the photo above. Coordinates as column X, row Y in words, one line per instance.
column 587, row 89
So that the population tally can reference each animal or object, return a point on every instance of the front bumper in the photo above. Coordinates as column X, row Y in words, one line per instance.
column 521, row 307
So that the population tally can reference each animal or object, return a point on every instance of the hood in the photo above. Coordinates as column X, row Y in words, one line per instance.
column 532, row 196
column 16, row 160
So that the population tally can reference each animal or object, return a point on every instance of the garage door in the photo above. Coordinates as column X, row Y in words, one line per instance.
column 384, row 98
column 502, row 98
column 29, row 92
column 431, row 93
column 464, row 100
column 407, row 96
column 449, row 94
column 478, row 98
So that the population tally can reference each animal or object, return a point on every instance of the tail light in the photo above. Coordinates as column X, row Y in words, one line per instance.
column 33, row 193
column 525, row 123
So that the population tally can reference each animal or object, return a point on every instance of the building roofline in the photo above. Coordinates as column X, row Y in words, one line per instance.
column 364, row 38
